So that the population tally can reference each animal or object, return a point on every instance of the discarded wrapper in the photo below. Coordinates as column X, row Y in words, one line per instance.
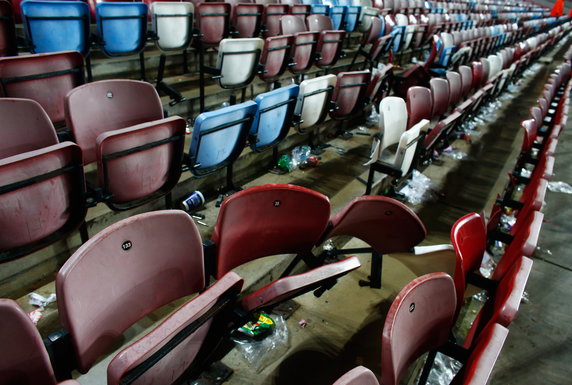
column 263, row 325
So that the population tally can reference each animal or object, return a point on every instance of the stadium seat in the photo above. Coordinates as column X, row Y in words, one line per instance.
column 419, row 105
column 119, row 124
column 8, row 46
column 23, row 357
column 271, row 18
column 246, row 19
column 45, row 78
column 358, row 376
column 350, row 94
column 329, row 47
column 275, row 57
column 270, row 220
column 137, row 284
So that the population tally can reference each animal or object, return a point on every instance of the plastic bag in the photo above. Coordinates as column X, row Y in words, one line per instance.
column 299, row 155
column 443, row 371
column 261, row 353
column 41, row 301
column 419, row 189
column 561, row 187
column 452, row 152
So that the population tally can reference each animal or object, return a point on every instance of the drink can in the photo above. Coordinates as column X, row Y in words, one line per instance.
column 194, row 201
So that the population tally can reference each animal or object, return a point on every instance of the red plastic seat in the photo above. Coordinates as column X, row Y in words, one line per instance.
column 271, row 18
column 213, row 22
column 300, row 10
column 41, row 198
column 303, row 44
column 379, row 45
column 419, row 320
column 25, row 126
column 440, row 91
column 124, row 256
column 8, row 45
column 478, row 76
column 275, row 56
column 419, row 105
column 455, row 88
column 385, row 224
column 329, row 47
column 246, row 19
column 358, row 376
column 23, row 357
column 481, row 361
column 119, row 124
column 350, row 94
column 45, row 78
column 270, row 220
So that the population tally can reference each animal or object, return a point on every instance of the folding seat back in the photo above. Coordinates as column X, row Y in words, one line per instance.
column 337, row 15
column 407, row 147
column 8, row 46
column 385, row 224
column 449, row 49
column 301, row 10
column 122, row 28
column 173, row 24
column 41, row 198
column 440, row 92
column 319, row 23
column 25, row 126
column 408, row 30
column 466, row 80
column 273, row 117
column 109, row 105
column 290, row 25
column 268, row 220
column 313, row 100
column 320, row 9
column 530, row 132
column 358, row 376
column 23, row 357
column 213, row 22
column 523, row 244
column 486, row 67
column 271, row 220
column 219, row 137
column 45, row 78
column 350, row 93
column 469, row 238
column 478, row 75
column 392, row 120
column 304, row 46
column 124, row 256
column 237, row 61
column 419, row 105
column 351, row 17
column 247, row 19
column 275, row 56
column 483, row 356
column 53, row 26
column 495, row 66
column 271, row 19
column 455, row 87
column 419, row 320
column 373, row 33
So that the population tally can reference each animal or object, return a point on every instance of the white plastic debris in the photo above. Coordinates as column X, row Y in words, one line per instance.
column 419, row 189
column 41, row 301
column 561, row 187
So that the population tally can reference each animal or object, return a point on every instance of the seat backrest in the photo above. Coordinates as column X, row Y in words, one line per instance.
column 530, row 131
column 122, row 27
column 329, row 47
column 246, row 19
column 142, row 162
column 25, row 126
column 419, row 320
column 440, row 92
column 301, row 10
column 273, row 116
column 350, row 93
column 213, row 21
column 319, row 23
column 374, row 31
column 536, row 114
column 419, row 104
column 23, row 357
column 486, row 70
column 54, row 26
column 45, row 78
column 219, row 137
column 291, row 24
column 268, row 220
column 313, row 100
column 392, row 120
column 271, row 19
column 337, row 16
column 275, row 56
column 386, row 224
column 108, row 105
column 237, row 61
column 455, row 87
column 8, row 46
column 406, row 149
column 466, row 80
column 481, row 361
column 358, row 376
column 478, row 76
column 469, row 238
column 42, row 198
column 304, row 46
column 124, row 257
column 173, row 24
